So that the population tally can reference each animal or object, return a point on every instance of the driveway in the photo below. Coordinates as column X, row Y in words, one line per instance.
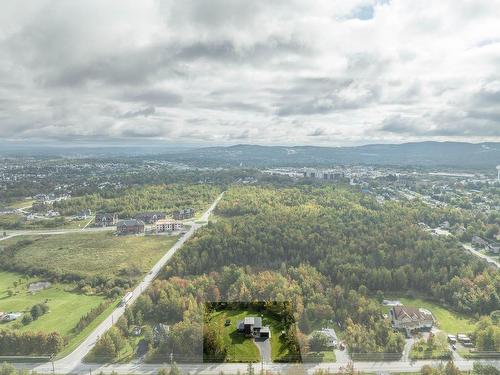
column 342, row 356
column 264, row 346
column 407, row 348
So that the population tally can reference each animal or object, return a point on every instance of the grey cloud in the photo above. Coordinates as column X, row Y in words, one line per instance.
column 318, row 132
column 156, row 97
column 144, row 131
column 145, row 112
column 346, row 97
column 245, row 134
column 440, row 124
column 398, row 124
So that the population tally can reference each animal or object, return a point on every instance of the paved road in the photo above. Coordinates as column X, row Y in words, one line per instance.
column 490, row 260
column 233, row 368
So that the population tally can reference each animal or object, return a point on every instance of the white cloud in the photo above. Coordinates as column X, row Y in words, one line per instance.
column 268, row 71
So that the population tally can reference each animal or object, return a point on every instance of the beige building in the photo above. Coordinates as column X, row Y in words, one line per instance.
column 411, row 318
column 168, row 225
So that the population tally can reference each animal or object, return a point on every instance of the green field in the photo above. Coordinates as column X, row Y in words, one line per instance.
column 447, row 320
column 318, row 357
column 20, row 203
column 88, row 253
column 240, row 348
column 66, row 308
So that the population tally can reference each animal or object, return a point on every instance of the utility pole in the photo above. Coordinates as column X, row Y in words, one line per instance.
column 52, row 360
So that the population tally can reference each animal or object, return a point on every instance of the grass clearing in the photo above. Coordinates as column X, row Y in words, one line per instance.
column 62, row 303
column 319, row 357
column 66, row 308
column 89, row 253
column 240, row 348
column 21, row 203
column 76, row 340
column 449, row 321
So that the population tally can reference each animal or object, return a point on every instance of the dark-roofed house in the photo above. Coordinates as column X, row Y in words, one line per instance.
column 186, row 213
column 411, row 318
column 132, row 226
column 83, row 214
column 479, row 242
column 105, row 219
column 150, row 217
column 252, row 327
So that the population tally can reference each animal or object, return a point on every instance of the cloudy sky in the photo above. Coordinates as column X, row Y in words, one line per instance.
column 322, row 72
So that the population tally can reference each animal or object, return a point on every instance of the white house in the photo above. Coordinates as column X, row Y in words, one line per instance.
column 331, row 337
column 10, row 316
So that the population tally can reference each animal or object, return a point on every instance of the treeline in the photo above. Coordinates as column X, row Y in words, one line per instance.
column 348, row 237
column 28, row 343
column 486, row 335
column 109, row 345
column 130, row 202
column 91, row 316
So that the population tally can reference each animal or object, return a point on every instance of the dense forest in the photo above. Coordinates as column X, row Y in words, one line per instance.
column 349, row 238
column 332, row 252
column 132, row 201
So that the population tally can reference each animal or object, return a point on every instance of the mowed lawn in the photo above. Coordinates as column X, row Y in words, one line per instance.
column 447, row 320
column 242, row 349
column 90, row 253
column 66, row 308
column 239, row 347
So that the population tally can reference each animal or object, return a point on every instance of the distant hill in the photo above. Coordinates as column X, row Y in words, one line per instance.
column 430, row 154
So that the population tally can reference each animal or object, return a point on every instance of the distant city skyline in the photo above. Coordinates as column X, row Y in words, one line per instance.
column 224, row 72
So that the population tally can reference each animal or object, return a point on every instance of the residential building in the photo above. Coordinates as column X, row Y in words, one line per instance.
column 252, row 327
column 132, row 226
column 150, row 217
column 41, row 197
column 186, row 213
column 52, row 213
column 479, row 242
column 160, row 333
column 168, row 226
column 331, row 337
column 494, row 247
column 411, row 318
column 83, row 214
column 9, row 317
column 105, row 219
